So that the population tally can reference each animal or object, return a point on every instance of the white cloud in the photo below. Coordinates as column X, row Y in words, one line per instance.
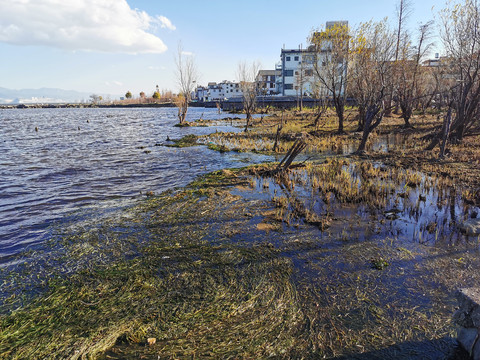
column 91, row 25
column 156, row 68
column 165, row 23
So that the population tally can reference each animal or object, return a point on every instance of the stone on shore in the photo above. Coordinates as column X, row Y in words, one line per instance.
column 471, row 227
column 467, row 318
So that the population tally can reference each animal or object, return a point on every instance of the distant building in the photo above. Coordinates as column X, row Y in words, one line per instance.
column 217, row 92
column 297, row 67
column 267, row 82
column 297, row 71
column 37, row 100
column 231, row 89
column 434, row 62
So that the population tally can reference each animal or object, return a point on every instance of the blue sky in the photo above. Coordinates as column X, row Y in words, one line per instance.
column 111, row 46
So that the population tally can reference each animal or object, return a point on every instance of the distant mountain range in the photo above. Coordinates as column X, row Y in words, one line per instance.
column 43, row 95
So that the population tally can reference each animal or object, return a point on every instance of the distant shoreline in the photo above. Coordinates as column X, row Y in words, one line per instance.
column 74, row 105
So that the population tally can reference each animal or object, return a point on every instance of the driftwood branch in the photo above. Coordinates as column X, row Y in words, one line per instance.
column 294, row 151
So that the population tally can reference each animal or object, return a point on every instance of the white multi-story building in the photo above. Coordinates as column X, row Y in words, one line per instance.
column 218, row 92
column 297, row 71
column 298, row 68
column 231, row 89
column 267, row 82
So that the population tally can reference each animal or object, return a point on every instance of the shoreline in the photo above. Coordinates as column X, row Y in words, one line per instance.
column 82, row 106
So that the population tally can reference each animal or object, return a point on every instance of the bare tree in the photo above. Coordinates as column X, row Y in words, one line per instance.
column 319, row 94
column 373, row 48
column 408, row 72
column 95, row 99
column 332, row 51
column 404, row 10
column 303, row 76
column 246, row 76
column 460, row 33
column 186, row 73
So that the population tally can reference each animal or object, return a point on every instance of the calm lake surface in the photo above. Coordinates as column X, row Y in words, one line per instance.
column 91, row 160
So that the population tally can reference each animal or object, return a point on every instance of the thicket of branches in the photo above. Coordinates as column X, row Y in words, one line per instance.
column 385, row 71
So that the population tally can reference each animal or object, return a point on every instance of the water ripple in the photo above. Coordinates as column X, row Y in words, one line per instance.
column 83, row 158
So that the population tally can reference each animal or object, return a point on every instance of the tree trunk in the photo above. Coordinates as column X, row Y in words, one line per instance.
column 339, row 108
column 361, row 119
column 459, row 132
column 445, row 132
column 366, row 132
column 277, row 136
column 249, row 117
column 368, row 128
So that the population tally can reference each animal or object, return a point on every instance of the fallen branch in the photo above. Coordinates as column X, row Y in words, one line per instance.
column 294, row 151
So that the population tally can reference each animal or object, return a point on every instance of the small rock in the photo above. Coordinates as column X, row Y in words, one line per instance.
column 391, row 216
column 475, row 354
column 471, row 227
column 467, row 338
column 468, row 314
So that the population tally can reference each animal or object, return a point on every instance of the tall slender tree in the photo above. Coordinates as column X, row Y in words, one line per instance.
column 408, row 72
column 186, row 74
column 331, row 46
column 460, row 34
column 372, row 51
column 246, row 74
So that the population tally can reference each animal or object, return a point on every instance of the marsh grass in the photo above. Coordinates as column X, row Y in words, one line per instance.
column 186, row 141
column 203, row 277
column 196, row 297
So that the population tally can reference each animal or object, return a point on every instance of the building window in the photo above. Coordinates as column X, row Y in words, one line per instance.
column 272, row 86
column 309, row 72
column 288, row 86
column 288, row 58
column 296, row 58
column 288, row 72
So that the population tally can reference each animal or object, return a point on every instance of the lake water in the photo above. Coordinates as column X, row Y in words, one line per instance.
column 57, row 162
